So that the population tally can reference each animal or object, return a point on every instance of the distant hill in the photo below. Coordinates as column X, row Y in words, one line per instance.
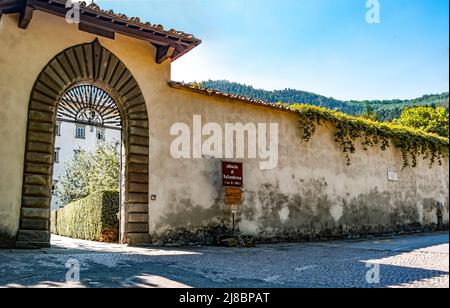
column 385, row 109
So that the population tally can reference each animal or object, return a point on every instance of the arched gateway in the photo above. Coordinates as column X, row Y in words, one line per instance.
column 92, row 65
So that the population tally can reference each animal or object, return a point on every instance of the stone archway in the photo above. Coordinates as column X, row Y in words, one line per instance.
column 84, row 63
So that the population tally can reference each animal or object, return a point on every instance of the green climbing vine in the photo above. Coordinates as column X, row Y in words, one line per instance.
column 349, row 130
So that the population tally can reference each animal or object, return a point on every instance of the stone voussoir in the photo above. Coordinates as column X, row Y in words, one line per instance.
column 138, row 178
column 138, row 159
column 33, row 236
column 41, row 127
column 34, row 157
column 38, row 106
column 138, row 238
column 138, row 217
column 36, row 202
column 138, row 109
column 137, row 131
column 141, row 124
column 139, row 140
column 36, row 190
column 36, row 179
column 138, row 168
column 37, row 96
column 137, row 188
column 138, row 116
column 40, row 137
column 34, row 224
column 137, row 198
column 37, row 116
column 137, row 208
column 35, row 213
column 42, row 169
column 138, row 228
column 137, row 149
column 39, row 147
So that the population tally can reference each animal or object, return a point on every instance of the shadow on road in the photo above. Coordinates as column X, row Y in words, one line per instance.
column 417, row 261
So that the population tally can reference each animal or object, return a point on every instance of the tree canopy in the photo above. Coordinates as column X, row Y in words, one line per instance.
column 428, row 119
column 382, row 110
column 90, row 172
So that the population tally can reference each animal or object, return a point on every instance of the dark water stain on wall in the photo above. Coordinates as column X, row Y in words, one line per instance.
column 184, row 212
column 308, row 208
column 307, row 215
column 379, row 208
column 6, row 240
column 248, row 211
column 373, row 213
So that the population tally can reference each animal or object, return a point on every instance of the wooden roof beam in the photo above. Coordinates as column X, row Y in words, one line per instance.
column 110, row 26
column 102, row 24
column 97, row 31
column 9, row 6
column 26, row 14
column 163, row 53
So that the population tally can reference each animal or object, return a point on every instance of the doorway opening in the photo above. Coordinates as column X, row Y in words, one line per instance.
column 90, row 88
column 87, row 168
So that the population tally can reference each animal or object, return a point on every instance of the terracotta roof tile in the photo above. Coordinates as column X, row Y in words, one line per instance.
column 96, row 19
column 243, row 99
column 135, row 20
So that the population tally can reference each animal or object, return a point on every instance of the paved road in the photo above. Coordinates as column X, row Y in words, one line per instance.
column 410, row 261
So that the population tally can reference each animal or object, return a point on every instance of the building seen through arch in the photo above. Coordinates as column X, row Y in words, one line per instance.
column 87, row 117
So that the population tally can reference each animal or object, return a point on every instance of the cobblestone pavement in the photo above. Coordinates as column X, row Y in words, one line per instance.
column 410, row 261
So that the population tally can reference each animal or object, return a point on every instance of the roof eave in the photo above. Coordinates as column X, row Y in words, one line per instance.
column 172, row 43
column 232, row 97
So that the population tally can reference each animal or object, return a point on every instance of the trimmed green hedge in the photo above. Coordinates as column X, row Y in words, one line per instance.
column 93, row 218
column 53, row 227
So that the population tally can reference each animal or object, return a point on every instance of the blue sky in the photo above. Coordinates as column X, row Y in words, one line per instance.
column 321, row 46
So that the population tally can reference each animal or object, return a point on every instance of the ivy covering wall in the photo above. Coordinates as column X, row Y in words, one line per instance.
column 413, row 144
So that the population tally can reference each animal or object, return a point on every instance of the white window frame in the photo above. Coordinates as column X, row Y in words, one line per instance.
column 55, row 182
column 76, row 132
column 102, row 132
column 58, row 129
column 56, row 155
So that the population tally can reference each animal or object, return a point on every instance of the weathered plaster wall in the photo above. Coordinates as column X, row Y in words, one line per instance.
column 312, row 194
column 23, row 54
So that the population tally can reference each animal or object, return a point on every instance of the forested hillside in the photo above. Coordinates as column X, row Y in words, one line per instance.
column 386, row 110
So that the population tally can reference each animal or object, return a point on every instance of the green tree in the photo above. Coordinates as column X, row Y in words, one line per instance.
column 428, row 119
column 369, row 112
column 89, row 172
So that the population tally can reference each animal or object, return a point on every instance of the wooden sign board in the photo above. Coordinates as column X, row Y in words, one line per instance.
column 232, row 174
column 233, row 196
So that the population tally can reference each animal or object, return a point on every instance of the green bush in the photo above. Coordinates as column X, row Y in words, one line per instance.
column 53, row 227
column 93, row 218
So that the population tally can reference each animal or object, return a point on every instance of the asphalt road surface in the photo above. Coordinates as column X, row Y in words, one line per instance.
column 420, row 261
